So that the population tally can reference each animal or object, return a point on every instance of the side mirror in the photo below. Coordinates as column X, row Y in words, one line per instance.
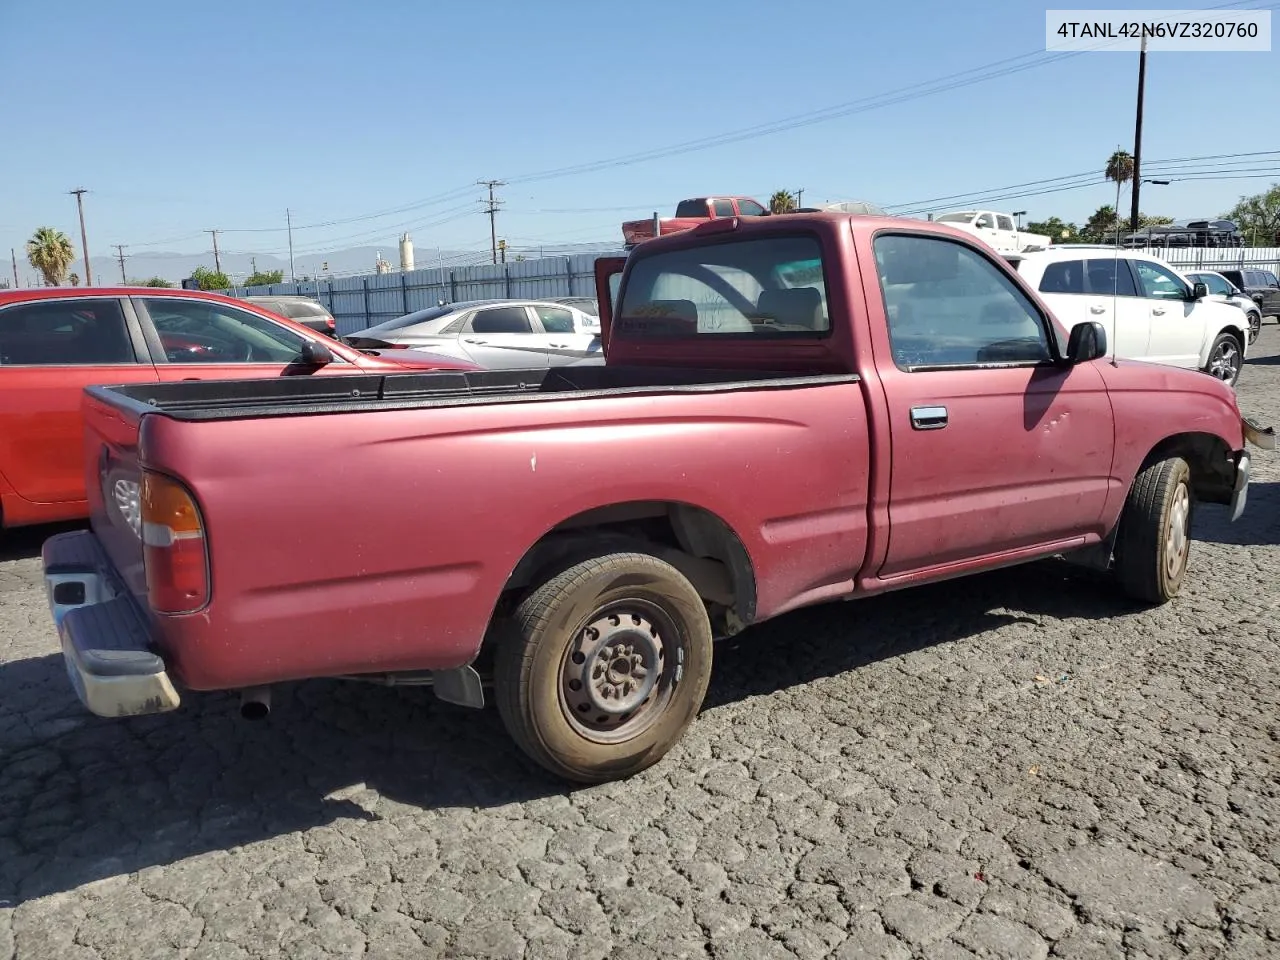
column 1199, row 290
column 316, row 354
column 1088, row 341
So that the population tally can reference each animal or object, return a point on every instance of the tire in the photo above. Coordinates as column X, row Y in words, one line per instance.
column 1225, row 359
column 550, row 667
column 1153, row 544
column 1255, row 326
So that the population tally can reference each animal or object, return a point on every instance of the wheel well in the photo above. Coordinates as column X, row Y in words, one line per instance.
column 1236, row 332
column 1211, row 460
column 693, row 540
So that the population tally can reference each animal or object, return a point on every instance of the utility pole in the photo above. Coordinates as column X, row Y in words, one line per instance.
column 1137, row 137
column 79, row 193
column 13, row 258
column 217, row 264
column 120, row 255
column 799, row 197
column 492, row 209
column 253, row 263
column 293, row 277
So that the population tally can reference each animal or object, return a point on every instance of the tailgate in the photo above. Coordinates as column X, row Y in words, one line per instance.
column 112, row 477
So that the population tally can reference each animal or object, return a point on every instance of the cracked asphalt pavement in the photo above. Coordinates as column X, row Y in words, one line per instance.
column 1017, row 765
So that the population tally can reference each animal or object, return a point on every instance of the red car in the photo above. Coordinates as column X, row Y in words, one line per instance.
column 54, row 342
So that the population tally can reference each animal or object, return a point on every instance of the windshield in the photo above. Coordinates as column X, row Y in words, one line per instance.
column 955, row 218
column 768, row 287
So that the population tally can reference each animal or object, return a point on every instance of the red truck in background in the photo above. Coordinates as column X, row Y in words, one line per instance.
column 689, row 214
column 793, row 410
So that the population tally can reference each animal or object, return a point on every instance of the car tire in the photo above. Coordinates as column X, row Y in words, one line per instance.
column 606, row 667
column 1255, row 326
column 1153, row 544
column 1226, row 357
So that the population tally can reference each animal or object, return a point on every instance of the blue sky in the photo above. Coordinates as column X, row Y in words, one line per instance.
column 184, row 117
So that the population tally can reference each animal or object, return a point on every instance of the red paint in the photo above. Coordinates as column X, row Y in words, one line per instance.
column 827, row 487
column 41, row 427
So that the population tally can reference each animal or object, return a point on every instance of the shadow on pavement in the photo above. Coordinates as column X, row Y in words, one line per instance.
column 24, row 543
column 1258, row 526
column 82, row 798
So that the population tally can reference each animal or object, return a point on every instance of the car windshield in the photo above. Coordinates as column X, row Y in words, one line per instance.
column 955, row 218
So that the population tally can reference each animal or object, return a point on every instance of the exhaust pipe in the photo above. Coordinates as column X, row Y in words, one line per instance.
column 255, row 703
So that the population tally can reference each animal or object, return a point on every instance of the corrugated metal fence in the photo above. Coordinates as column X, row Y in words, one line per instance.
column 359, row 302
column 1222, row 258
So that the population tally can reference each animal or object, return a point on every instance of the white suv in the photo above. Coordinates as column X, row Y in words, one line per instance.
column 1149, row 311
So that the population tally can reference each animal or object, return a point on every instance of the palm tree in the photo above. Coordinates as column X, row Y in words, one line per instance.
column 50, row 252
column 782, row 202
column 1119, row 169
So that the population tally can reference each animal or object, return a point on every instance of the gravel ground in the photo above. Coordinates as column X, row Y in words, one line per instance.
column 1016, row 765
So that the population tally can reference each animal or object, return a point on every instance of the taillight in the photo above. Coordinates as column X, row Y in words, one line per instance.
column 173, row 546
column 329, row 322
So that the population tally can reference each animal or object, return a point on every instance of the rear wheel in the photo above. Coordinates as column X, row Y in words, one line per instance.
column 1225, row 359
column 607, row 666
column 1255, row 326
column 1153, row 543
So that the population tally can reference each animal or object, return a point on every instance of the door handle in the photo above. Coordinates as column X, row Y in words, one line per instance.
column 1158, row 311
column 928, row 418
column 1097, row 309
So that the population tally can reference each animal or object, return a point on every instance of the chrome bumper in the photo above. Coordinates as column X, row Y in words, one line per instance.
column 1264, row 438
column 1240, row 493
column 106, row 647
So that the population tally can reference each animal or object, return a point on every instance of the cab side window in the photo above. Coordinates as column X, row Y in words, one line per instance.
column 951, row 307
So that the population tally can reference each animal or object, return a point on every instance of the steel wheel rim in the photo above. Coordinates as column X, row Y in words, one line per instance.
column 1225, row 362
column 1177, row 539
column 620, row 671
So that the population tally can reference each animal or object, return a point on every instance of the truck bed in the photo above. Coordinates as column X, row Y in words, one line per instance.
column 299, row 396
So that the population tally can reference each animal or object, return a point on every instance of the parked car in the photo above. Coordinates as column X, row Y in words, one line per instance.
column 494, row 334
column 307, row 311
column 55, row 341
column 1149, row 311
column 793, row 410
column 1261, row 286
column 997, row 229
column 689, row 214
column 1224, row 291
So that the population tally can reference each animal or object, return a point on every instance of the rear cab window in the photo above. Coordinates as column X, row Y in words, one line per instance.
column 767, row 287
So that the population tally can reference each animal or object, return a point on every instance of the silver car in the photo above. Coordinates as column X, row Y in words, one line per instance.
column 495, row 334
column 1220, row 288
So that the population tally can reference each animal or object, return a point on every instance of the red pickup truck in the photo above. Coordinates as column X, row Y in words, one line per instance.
column 793, row 410
column 689, row 214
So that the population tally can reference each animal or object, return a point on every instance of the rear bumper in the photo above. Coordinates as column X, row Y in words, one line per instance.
column 106, row 647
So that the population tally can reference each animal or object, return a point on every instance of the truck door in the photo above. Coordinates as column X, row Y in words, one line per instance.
column 995, row 448
column 608, row 280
